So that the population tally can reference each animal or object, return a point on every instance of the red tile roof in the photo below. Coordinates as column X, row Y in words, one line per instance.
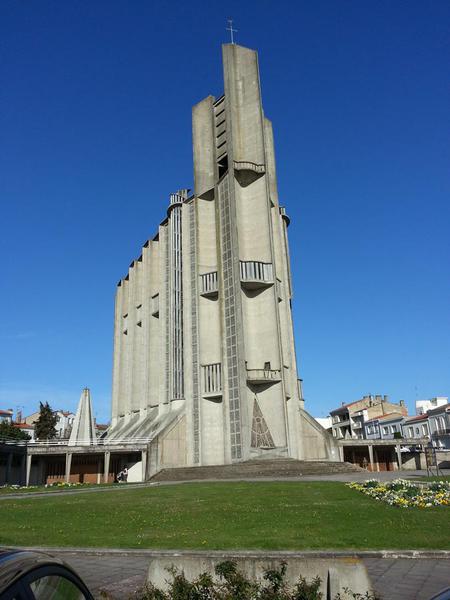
column 352, row 403
column 391, row 415
column 416, row 418
column 23, row 426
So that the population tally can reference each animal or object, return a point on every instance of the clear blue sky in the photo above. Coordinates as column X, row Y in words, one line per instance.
column 95, row 132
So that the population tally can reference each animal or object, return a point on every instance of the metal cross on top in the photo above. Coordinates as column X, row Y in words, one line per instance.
column 231, row 30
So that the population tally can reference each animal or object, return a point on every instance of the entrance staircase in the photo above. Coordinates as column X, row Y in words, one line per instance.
column 254, row 469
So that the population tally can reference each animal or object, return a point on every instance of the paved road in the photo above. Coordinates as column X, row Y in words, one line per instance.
column 393, row 578
column 408, row 579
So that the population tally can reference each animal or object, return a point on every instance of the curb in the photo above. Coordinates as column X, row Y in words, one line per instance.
column 267, row 554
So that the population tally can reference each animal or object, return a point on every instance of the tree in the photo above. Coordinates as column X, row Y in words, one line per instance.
column 8, row 431
column 44, row 427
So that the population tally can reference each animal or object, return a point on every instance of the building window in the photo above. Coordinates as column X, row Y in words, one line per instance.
column 385, row 430
column 411, row 431
column 424, row 429
column 440, row 421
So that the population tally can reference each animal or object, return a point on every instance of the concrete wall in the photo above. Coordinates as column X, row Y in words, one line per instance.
column 335, row 573
column 172, row 445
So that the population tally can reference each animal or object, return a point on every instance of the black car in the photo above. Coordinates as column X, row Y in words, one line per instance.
column 26, row 575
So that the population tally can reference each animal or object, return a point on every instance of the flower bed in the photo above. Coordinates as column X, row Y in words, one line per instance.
column 65, row 484
column 405, row 493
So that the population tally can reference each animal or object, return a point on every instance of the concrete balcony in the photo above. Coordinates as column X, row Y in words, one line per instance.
column 260, row 376
column 255, row 274
column 284, row 215
column 209, row 285
column 212, row 380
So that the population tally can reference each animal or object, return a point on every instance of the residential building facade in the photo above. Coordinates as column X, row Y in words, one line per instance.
column 6, row 415
column 348, row 421
column 64, row 422
column 439, row 425
column 416, row 427
column 385, row 427
column 423, row 406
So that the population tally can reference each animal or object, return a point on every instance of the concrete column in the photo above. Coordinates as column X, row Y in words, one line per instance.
column 28, row 469
column 399, row 456
column 23, row 466
column 371, row 457
column 144, row 464
column 99, row 470
column 376, row 458
column 106, row 466
column 68, row 465
column 8, row 468
column 203, row 144
column 341, row 453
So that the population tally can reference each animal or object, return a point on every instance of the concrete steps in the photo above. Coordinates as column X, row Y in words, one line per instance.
column 253, row 469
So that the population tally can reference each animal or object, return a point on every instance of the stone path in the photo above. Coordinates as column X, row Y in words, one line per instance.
column 408, row 579
column 120, row 573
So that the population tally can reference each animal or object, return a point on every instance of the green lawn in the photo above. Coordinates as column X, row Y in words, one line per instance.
column 278, row 515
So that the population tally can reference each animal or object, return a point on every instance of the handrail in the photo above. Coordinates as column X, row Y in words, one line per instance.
column 209, row 283
column 254, row 270
column 264, row 374
column 59, row 442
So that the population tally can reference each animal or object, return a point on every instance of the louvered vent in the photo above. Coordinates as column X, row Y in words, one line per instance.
column 220, row 127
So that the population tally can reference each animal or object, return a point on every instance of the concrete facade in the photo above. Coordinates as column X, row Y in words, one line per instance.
column 204, row 357
column 83, row 429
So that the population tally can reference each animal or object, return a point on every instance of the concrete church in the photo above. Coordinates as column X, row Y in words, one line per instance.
column 204, row 358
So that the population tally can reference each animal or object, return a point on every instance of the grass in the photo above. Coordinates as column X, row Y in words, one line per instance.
column 219, row 516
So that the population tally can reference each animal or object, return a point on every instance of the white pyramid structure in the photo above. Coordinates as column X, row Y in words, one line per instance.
column 83, row 430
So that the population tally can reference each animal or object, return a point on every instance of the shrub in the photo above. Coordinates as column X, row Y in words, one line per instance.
column 231, row 584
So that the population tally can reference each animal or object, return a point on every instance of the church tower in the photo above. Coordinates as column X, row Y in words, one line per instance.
column 204, row 358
